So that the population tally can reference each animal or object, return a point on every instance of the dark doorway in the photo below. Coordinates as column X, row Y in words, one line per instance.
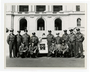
column 23, row 24
column 40, row 24
column 58, row 24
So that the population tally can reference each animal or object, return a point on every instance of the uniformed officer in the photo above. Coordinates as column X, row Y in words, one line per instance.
column 11, row 42
column 52, row 48
column 23, row 50
column 72, row 43
column 58, row 39
column 50, row 37
column 64, row 49
column 34, row 39
column 26, row 38
column 79, row 41
column 65, row 36
column 18, row 42
column 58, row 42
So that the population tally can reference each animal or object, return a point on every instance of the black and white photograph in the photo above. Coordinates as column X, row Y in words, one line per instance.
column 45, row 35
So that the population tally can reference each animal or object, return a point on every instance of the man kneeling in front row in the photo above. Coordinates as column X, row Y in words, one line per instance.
column 23, row 50
column 64, row 49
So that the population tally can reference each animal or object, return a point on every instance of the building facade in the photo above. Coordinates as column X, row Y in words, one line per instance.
column 40, row 18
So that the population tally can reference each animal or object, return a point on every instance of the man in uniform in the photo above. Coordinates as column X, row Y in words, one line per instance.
column 11, row 42
column 18, row 42
column 72, row 43
column 58, row 42
column 65, row 36
column 50, row 37
column 79, row 41
column 26, row 38
column 34, row 39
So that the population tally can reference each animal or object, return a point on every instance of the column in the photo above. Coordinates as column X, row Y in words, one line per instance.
column 12, row 21
column 29, row 8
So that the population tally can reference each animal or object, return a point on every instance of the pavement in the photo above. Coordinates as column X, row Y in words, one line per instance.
column 45, row 62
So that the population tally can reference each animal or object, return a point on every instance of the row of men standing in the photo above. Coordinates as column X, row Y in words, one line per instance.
column 74, row 41
column 15, row 41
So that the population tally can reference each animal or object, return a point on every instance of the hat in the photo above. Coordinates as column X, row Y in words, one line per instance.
column 18, row 31
column 33, row 33
column 43, row 34
column 78, row 29
column 71, row 30
column 11, row 30
column 49, row 31
column 65, row 30
column 25, row 30
column 57, row 33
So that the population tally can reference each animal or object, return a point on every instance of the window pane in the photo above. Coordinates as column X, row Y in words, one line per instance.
column 78, row 22
column 57, row 8
column 77, row 8
column 23, row 8
column 40, row 8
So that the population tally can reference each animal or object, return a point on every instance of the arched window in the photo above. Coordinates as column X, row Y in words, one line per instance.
column 40, row 24
column 58, row 24
column 23, row 24
column 78, row 22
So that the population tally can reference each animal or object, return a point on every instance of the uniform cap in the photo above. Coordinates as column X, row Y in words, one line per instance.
column 71, row 30
column 33, row 33
column 65, row 30
column 11, row 30
column 57, row 33
column 78, row 29
column 49, row 31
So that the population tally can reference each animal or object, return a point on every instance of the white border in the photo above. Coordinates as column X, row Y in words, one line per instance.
column 42, row 1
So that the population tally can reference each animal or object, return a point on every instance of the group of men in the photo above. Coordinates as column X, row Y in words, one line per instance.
column 69, row 44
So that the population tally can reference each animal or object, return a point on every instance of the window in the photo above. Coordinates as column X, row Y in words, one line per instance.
column 77, row 8
column 23, row 24
column 23, row 8
column 40, row 24
column 40, row 8
column 57, row 8
column 78, row 22
column 58, row 24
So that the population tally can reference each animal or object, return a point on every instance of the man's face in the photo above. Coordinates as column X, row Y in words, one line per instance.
column 11, row 32
column 65, row 32
column 78, row 31
column 25, row 32
column 49, row 32
column 71, row 32
column 63, row 43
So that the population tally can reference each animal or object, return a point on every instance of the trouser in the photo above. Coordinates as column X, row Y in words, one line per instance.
column 12, row 49
column 79, row 46
column 72, row 48
column 17, row 51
